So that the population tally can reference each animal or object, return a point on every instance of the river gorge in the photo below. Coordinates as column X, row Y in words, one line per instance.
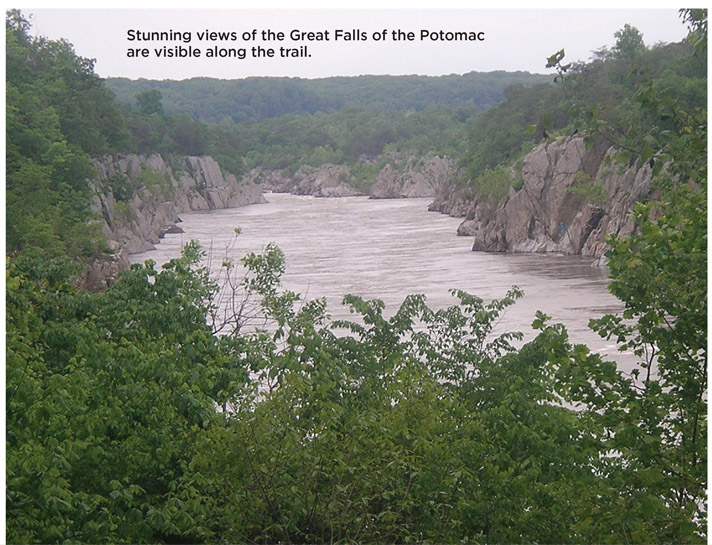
column 387, row 249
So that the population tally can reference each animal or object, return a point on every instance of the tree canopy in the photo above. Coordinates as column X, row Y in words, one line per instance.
column 255, row 99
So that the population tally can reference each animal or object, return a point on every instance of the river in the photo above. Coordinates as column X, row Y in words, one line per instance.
column 387, row 249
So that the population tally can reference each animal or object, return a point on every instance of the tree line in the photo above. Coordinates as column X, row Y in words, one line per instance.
column 253, row 99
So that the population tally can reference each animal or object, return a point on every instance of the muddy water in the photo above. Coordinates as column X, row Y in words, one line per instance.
column 387, row 249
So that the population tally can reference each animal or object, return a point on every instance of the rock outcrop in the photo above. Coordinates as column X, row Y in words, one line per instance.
column 325, row 181
column 139, row 199
column 411, row 176
column 571, row 198
column 403, row 175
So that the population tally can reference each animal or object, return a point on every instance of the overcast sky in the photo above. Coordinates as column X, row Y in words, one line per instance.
column 512, row 39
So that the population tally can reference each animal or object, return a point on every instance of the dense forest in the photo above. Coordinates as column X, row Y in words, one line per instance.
column 254, row 99
column 485, row 120
column 295, row 122
column 142, row 414
column 601, row 99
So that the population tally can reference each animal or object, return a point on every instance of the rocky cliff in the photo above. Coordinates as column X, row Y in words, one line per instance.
column 324, row 181
column 398, row 175
column 411, row 176
column 571, row 198
column 139, row 199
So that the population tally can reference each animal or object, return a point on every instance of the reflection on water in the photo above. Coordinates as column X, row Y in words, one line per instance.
column 387, row 249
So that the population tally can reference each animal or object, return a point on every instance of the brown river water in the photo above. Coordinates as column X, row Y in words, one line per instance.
column 387, row 249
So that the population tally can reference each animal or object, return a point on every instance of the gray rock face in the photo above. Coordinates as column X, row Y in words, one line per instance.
column 570, row 200
column 410, row 176
column 154, row 195
column 324, row 181
column 403, row 176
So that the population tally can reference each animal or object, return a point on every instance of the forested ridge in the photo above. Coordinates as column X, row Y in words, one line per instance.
column 253, row 99
column 146, row 414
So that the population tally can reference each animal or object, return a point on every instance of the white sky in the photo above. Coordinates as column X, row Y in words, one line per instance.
column 514, row 39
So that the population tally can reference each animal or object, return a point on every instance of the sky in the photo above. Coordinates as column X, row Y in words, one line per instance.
column 504, row 39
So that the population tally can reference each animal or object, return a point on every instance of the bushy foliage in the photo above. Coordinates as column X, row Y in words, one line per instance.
column 58, row 115
column 349, row 136
column 595, row 99
column 587, row 189
column 129, row 420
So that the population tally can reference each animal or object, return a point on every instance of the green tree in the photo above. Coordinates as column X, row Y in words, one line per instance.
column 106, row 395
column 653, row 422
column 629, row 44
column 149, row 102
column 58, row 113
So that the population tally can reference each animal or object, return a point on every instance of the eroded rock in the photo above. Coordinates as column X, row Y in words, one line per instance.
column 139, row 197
column 572, row 197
